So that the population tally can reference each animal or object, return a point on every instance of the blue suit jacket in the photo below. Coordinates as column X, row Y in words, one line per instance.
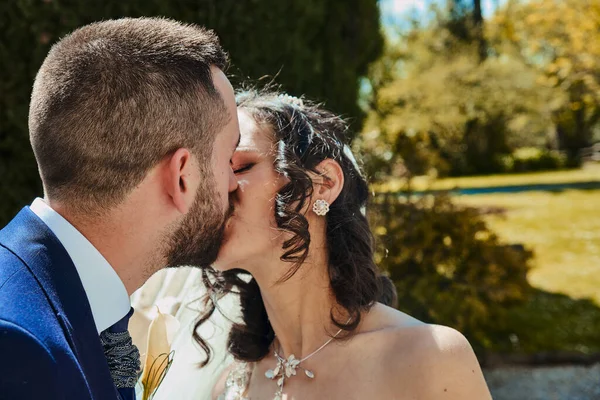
column 49, row 346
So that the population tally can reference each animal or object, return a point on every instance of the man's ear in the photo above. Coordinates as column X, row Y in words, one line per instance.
column 329, row 182
column 181, row 179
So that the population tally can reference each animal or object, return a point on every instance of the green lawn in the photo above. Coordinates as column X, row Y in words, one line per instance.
column 589, row 173
column 563, row 229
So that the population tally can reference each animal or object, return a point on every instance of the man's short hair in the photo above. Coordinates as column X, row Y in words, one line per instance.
column 114, row 98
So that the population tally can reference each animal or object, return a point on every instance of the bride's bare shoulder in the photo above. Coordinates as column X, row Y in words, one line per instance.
column 396, row 328
column 436, row 360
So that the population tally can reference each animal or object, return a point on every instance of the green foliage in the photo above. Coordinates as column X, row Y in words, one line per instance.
column 436, row 106
column 313, row 47
column 533, row 159
column 552, row 322
column 455, row 97
column 448, row 267
column 559, row 38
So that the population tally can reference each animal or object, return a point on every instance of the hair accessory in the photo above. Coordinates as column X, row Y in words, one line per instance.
column 304, row 136
column 291, row 99
column 321, row 207
column 348, row 153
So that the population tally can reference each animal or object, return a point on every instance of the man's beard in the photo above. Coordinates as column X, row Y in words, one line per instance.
column 197, row 241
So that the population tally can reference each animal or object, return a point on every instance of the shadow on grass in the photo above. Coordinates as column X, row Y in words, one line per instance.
column 550, row 328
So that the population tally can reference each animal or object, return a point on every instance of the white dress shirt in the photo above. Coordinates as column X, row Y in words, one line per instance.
column 105, row 291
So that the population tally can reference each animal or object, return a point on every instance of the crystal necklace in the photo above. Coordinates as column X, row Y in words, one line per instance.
column 286, row 368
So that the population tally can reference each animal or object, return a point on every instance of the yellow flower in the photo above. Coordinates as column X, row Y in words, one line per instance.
column 159, row 356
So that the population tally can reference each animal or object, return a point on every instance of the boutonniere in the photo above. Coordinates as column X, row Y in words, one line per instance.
column 159, row 356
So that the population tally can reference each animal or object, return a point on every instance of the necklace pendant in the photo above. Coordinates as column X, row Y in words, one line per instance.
column 290, row 366
column 274, row 373
column 310, row 374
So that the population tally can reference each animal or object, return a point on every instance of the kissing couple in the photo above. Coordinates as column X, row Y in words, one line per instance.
column 149, row 160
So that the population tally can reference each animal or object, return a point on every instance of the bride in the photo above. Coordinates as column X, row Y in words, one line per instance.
column 298, row 252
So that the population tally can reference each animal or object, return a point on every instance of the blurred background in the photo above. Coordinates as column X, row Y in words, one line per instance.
column 478, row 122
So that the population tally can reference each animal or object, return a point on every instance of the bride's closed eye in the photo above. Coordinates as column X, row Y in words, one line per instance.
column 243, row 168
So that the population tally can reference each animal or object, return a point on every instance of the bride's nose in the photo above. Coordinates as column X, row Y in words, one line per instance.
column 233, row 183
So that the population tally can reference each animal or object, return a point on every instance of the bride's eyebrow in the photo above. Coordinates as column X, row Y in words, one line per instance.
column 247, row 150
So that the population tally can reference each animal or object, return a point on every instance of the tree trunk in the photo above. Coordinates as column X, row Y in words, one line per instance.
column 479, row 34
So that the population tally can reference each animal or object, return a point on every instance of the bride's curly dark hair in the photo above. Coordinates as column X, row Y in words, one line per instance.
column 304, row 134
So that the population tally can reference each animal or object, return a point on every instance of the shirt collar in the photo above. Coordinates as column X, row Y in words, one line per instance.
column 105, row 291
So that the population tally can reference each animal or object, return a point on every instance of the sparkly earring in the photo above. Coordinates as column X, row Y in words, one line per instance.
column 321, row 207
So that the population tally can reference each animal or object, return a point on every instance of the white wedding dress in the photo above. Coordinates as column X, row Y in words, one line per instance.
column 237, row 382
column 178, row 292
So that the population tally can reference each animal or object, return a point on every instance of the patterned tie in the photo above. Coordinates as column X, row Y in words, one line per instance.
column 123, row 357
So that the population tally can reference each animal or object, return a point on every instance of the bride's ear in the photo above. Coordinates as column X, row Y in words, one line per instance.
column 329, row 182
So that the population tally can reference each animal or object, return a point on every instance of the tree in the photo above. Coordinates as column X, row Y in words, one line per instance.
column 318, row 48
column 560, row 39
column 435, row 105
column 466, row 23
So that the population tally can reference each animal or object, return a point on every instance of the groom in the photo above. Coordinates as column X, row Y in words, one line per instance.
column 133, row 124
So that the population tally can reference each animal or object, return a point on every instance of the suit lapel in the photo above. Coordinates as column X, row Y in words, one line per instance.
column 32, row 241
